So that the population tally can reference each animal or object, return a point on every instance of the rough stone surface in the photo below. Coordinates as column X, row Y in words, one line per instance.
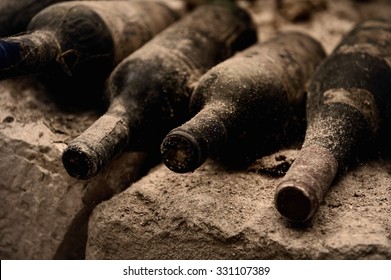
column 215, row 213
column 39, row 201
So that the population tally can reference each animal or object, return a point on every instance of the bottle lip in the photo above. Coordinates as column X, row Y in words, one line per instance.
column 300, row 192
column 78, row 162
column 294, row 201
column 181, row 151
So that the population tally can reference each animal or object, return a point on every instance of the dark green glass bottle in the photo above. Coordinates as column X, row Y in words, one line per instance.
column 150, row 89
column 242, row 104
column 16, row 14
column 348, row 104
column 84, row 39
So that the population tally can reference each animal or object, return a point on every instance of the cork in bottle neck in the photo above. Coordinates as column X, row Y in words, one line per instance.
column 185, row 148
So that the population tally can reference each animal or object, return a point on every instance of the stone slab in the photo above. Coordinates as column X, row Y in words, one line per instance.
column 39, row 201
column 215, row 213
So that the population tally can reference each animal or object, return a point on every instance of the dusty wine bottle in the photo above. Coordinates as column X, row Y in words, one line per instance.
column 348, row 100
column 85, row 38
column 15, row 15
column 250, row 94
column 150, row 89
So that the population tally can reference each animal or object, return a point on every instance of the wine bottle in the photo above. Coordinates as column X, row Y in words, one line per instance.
column 15, row 15
column 249, row 96
column 84, row 39
column 348, row 103
column 150, row 89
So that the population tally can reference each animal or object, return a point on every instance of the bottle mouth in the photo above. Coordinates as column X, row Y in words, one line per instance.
column 9, row 54
column 79, row 163
column 294, row 202
column 181, row 152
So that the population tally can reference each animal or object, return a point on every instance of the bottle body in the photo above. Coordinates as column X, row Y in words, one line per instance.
column 153, row 84
column 15, row 15
column 347, row 104
column 86, row 36
column 242, row 104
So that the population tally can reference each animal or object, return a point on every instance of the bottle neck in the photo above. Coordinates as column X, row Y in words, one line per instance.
column 302, row 189
column 341, row 128
column 28, row 53
column 87, row 154
column 337, row 127
column 185, row 148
